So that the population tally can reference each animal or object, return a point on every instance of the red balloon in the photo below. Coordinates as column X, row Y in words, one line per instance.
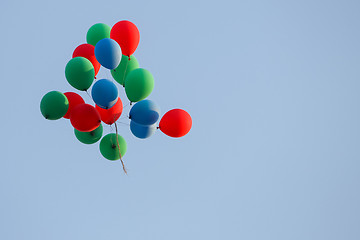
column 74, row 100
column 87, row 51
column 175, row 123
column 85, row 118
column 109, row 116
column 127, row 35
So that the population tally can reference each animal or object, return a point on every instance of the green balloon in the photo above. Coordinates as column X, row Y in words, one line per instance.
column 109, row 146
column 89, row 137
column 54, row 105
column 97, row 32
column 125, row 66
column 80, row 73
column 139, row 83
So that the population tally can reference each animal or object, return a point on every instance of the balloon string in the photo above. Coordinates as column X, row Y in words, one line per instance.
column 123, row 123
column 117, row 141
column 124, row 117
column 128, row 104
column 89, row 95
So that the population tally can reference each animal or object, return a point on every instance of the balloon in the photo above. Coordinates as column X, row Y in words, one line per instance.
column 127, row 35
column 175, row 123
column 125, row 66
column 108, row 53
column 85, row 118
column 139, row 83
column 87, row 51
column 97, row 32
column 89, row 137
column 80, row 73
column 145, row 112
column 74, row 100
column 109, row 116
column 104, row 93
column 54, row 105
column 109, row 147
column 142, row 131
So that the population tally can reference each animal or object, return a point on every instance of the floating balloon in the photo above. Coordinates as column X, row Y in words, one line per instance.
column 145, row 112
column 89, row 137
column 109, row 116
column 126, row 65
column 74, row 100
column 80, row 73
column 139, row 84
column 54, row 105
column 85, row 118
column 97, row 32
column 109, row 146
column 112, row 48
column 104, row 93
column 87, row 51
column 175, row 123
column 108, row 53
column 127, row 35
column 142, row 131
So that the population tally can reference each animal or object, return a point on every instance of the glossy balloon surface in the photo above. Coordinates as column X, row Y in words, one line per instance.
column 108, row 53
column 74, row 100
column 123, row 69
column 85, row 118
column 89, row 137
column 54, row 105
column 139, row 84
column 142, row 131
column 87, row 51
column 176, row 123
column 111, row 115
column 109, row 146
column 145, row 112
column 80, row 73
column 127, row 35
column 104, row 93
column 97, row 32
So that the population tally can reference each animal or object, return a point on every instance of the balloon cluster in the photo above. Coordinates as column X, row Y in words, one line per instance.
column 111, row 48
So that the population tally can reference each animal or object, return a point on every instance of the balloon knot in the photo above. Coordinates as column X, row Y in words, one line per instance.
column 158, row 127
column 95, row 77
column 129, row 58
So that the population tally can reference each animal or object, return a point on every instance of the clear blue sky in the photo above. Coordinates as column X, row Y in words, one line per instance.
column 273, row 90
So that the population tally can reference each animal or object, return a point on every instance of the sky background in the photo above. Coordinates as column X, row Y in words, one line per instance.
column 273, row 91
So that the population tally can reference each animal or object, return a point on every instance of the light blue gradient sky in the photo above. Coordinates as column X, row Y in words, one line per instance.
column 273, row 89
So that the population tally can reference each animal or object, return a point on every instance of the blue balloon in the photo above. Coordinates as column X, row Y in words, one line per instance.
column 104, row 93
column 145, row 112
column 142, row 131
column 108, row 53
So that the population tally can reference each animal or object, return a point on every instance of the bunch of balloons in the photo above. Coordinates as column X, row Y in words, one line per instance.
column 111, row 48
